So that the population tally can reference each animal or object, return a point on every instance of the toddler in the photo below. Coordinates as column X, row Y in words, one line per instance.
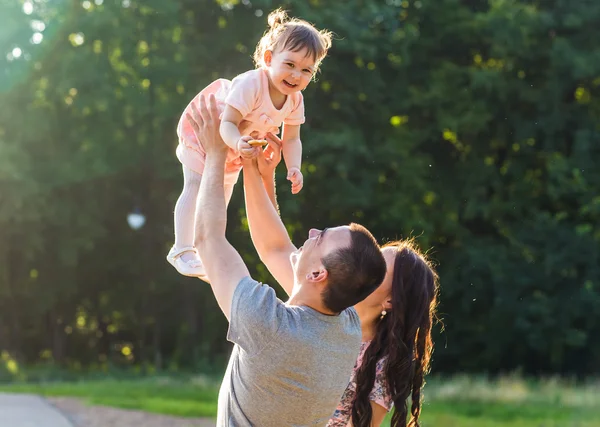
column 253, row 104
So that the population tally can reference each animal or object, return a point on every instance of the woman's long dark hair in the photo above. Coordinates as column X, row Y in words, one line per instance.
column 402, row 339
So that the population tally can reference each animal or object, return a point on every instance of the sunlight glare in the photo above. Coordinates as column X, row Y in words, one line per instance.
column 76, row 39
column 37, row 38
column 16, row 52
column 27, row 8
column 226, row 5
column 12, row 367
column 38, row 25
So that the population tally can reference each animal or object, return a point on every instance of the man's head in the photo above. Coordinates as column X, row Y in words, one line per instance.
column 344, row 262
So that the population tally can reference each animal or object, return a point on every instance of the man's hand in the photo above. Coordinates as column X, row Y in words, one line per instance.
column 270, row 157
column 295, row 176
column 246, row 150
column 205, row 124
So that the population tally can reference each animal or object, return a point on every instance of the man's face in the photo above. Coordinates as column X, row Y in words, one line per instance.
column 307, row 259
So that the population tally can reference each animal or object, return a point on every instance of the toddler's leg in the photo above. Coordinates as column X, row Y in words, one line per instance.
column 185, row 211
column 183, row 257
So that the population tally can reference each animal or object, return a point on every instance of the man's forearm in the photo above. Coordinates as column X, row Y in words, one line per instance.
column 266, row 229
column 223, row 264
column 269, row 236
column 269, row 184
column 212, row 221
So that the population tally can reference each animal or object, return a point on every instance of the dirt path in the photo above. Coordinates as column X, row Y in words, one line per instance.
column 83, row 415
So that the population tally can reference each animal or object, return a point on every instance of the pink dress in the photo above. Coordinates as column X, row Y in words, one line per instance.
column 379, row 394
column 249, row 94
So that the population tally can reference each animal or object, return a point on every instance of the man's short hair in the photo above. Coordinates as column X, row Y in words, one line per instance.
column 353, row 272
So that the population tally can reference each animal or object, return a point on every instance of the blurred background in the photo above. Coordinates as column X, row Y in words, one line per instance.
column 470, row 125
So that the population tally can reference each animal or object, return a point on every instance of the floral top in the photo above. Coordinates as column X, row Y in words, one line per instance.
column 379, row 394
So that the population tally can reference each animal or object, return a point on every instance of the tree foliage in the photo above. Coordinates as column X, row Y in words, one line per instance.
column 470, row 124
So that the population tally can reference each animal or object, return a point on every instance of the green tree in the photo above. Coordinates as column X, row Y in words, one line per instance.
column 472, row 125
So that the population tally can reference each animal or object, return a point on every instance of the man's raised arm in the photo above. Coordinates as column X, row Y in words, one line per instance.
column 268, row 233
column 223, row 264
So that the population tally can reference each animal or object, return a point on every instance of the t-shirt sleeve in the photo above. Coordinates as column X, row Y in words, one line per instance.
column 255, row 315
column 243, row 94
column 380, row 393
column 296, row 116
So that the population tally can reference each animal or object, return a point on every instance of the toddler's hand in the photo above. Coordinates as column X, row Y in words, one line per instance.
column 246, row 150
column 295, row 176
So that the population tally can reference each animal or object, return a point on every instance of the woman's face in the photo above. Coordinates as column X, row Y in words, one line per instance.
column 378, row 299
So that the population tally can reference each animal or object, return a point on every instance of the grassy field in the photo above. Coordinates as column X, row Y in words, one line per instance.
column 475, row 402
column 457, row 402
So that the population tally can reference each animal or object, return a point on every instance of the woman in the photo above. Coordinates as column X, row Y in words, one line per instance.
column 396, row 323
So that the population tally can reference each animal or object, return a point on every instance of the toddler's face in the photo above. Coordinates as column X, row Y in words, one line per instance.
column 290, row 71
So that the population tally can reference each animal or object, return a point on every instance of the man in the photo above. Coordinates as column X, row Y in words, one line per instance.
column 291, row 362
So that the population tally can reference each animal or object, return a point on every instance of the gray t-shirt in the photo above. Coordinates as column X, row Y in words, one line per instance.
column 289, row 365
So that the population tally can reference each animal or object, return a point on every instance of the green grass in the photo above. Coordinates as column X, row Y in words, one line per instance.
column 196, row 397
column 476, row 402
column 464, row 414
column 458, row 402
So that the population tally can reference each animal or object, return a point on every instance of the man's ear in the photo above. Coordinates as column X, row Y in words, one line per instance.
column 268, row 57
column 318, row 276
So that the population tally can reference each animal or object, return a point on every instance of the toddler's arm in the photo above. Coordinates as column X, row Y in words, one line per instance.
column 231, row 135
column 292, row 154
